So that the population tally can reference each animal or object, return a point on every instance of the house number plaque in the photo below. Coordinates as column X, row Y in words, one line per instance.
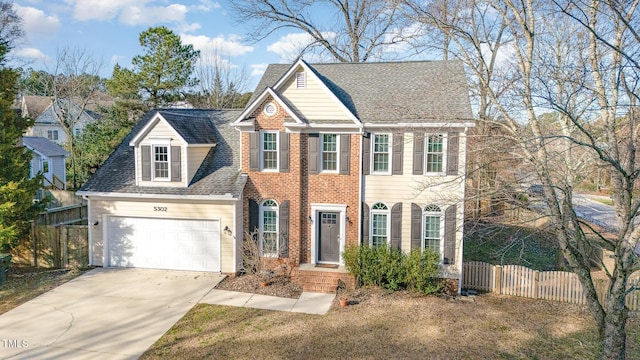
column 160, row 208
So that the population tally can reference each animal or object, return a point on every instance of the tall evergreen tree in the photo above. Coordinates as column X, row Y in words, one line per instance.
column 16, row 189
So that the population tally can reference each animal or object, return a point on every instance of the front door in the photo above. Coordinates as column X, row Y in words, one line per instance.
column 329, row 235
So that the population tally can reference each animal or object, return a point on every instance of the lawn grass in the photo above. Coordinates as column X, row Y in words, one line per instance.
column 507, row 244
column 25, row 282
column 386, row 326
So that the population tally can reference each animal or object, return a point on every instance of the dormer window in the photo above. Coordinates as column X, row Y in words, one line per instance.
column 160, row 161
column 301, row 80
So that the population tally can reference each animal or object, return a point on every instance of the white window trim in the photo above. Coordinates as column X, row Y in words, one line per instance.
column 321, row 155
column 444, row 155
column 433, row 213
column 277, row 133
column 264, row 208
column 46, row 161
column 386, row 212
column 157, row 143
column 389, row 152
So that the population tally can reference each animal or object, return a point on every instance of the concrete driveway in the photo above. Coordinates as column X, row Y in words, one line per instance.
column 103, row 314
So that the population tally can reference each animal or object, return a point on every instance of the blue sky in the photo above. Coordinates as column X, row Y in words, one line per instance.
column 108, row 30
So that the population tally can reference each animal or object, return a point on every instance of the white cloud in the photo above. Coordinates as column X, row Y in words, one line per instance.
column 36, row 22
column 141, row 15
column 217, row 45
column 103, row 9
column 290, row 46
column 206, row 6
column 31, row 53
column 258, row 69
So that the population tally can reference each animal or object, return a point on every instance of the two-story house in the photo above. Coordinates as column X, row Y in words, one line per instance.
column 323, row 156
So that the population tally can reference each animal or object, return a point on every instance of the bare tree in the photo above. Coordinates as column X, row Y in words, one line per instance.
column 356, row 31
column 220, row 83
column 11, row 31
column 577, row 62
column 77, row 88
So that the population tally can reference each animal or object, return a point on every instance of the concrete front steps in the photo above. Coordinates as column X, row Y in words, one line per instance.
column 322, row 279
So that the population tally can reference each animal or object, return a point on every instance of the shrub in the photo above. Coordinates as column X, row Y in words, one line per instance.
column 422, row 269
column 393, row 270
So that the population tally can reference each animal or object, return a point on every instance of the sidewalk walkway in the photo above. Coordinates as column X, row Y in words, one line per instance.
column 308, row 303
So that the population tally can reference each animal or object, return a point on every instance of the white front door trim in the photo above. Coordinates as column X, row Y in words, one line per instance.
column 315, row 209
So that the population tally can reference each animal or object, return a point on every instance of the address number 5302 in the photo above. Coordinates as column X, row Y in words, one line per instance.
column 159, row 208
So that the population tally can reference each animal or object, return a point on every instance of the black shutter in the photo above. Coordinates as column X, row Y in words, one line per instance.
column 345, row 151
column 418, row 153
column 176, row 164
column 145, row 152
column 283, row 224
column 366, row 154
column 397, row 154
column 365, row 224
column 313, row 156
column 416, row 226
column 452, row 153
column 254, row 217
column 284, row 152
column 254, row 151
column 396, row 226
column 450, row 235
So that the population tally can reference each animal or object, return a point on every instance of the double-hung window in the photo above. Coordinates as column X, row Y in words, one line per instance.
column 329, row 152
column 380, row 224
column 269, row 146
column 161, row 162
column 432, row 233
column 52, row 134
column 435, row 153
column 381, row 153
column 269, row 228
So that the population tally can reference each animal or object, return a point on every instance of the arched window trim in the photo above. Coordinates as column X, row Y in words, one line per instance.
column 380, row 210
column 269, row 228
column 432, row 210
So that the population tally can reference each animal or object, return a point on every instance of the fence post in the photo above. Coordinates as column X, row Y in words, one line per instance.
column 497, row 276
column 64, row 246
column 536, row 280
column 35, row 244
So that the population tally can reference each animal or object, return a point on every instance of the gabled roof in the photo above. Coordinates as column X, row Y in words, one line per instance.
column 219, row 174
column 253, row 105
column 44, row 146
column 392, row 92
column 192, row 129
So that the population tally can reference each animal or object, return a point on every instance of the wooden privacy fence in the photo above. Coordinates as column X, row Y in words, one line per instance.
column 549, row 285
column 67, row 215
column 60, row 246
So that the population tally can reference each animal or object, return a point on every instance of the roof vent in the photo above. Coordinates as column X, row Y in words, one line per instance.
column 301, row 80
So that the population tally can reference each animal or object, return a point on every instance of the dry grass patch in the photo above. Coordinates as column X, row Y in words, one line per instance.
column 381, row 325
column 25, row 283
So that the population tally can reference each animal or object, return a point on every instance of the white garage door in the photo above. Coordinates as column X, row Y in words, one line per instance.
column 163, row 243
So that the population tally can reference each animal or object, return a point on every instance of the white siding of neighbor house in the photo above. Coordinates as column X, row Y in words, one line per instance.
column 313, row 102
column 161, row 131
column 238, row 234
column 225, row 211
column 422, row 190
column 57, row 167
column 195, row 155
column 41, row 131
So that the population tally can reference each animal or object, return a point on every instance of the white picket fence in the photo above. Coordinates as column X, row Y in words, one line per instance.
column 521, row 281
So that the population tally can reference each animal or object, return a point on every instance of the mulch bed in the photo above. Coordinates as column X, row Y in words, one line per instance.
column 280, row 286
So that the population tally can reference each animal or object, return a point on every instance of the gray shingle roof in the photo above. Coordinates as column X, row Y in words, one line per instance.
column 219, row 173
column 44, row 146
column 392, row 92
column 194, row 129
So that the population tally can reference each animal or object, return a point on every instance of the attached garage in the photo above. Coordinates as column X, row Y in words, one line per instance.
column 163, row 243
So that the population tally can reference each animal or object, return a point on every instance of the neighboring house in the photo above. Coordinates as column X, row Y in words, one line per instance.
column 48, row 117
column 327, row 155
column 49, row 159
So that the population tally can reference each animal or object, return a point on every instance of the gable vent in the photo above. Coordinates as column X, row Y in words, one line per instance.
column 301, row 80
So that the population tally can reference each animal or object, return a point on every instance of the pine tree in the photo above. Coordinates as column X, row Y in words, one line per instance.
column 17, row 191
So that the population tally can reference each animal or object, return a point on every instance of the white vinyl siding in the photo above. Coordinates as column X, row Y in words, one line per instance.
column 195, row 156
column 313, row 102
column 223, row 211
column 423, row 190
